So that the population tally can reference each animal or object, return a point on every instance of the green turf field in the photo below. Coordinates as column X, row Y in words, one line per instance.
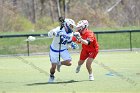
column 30, row 75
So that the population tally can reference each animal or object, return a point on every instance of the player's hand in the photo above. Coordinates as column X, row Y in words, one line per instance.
column 77, row 35
column 50, row 34
column 74, row 45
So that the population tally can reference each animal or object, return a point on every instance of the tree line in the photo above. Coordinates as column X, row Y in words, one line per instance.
column 99, row 13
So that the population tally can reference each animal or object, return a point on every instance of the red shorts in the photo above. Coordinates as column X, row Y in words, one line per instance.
column 88, row 54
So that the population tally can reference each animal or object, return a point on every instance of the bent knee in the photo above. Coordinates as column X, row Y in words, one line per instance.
column 69, row 64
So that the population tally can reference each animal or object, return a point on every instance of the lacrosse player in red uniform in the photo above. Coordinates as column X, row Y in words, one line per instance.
column 89, row 46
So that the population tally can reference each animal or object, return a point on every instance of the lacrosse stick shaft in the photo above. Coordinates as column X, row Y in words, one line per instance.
column 61, row 20
column 59, row 48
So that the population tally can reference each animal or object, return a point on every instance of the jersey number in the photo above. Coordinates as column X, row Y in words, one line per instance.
column 63, row 41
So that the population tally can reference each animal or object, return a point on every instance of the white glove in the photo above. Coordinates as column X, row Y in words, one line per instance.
column 51, row 34
column 77, row 35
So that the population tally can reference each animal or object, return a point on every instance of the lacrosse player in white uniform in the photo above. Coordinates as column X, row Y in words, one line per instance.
column 61, row 37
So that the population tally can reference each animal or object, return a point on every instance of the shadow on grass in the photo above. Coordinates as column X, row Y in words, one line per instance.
column 62, row 82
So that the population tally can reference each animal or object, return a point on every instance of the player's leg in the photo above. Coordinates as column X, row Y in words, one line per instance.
column 67, row 60
column 89, row 63
column 80, row 62
column 66, row 63
column 83, row 57
column 52, row 71
column 53, row 60
column 89, row 68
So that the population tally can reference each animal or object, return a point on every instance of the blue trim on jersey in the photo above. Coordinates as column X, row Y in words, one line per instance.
column 57, row 50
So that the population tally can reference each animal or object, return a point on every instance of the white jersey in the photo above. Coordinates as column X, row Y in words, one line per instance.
column 65, row 38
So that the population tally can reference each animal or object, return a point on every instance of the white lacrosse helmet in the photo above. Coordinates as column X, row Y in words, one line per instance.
column 82, row 24
column 70, row 22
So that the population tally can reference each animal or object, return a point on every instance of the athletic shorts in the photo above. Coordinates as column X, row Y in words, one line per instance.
column 54, row 56
column 88, row 54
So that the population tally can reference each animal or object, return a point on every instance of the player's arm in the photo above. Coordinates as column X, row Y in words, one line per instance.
column 55, row 32
column 79, row 39
column 52, row 32
column 86, row 42
column 89, row 40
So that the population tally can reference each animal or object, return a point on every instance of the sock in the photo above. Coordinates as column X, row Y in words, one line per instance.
column 91, row 74
column 51, row 75
column 79, row 66
column 59, row 63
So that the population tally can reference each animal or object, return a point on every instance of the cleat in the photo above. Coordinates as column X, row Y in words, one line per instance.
column 91, row 77
column 51, row 79
column 77, row 69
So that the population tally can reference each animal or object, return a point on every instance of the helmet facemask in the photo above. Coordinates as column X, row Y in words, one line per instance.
column 69, row 28
column 79, row 29
column 69, row 25
column 81, row 25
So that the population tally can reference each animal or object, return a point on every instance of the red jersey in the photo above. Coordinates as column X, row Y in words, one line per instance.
column 90, row 36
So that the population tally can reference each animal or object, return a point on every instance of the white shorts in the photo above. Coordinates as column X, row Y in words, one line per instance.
column 54, row 56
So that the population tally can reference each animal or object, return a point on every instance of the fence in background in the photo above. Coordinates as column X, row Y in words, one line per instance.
column 131, row 37
column 107, row 40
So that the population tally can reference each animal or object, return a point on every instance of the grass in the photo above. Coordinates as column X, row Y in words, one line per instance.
column 118, row 41
column 106, row 41
column 115, row 28
column 30, row 75
column 23, row 32
column 19, row 45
